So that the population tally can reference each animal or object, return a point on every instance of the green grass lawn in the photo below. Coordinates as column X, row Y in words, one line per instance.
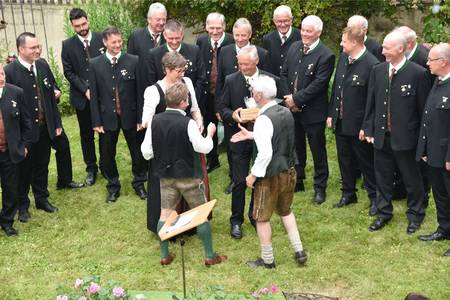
column 87, row 236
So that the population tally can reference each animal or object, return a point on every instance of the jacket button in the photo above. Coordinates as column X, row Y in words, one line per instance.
column 384, row 103
column 426, row 111
column 207, row 72
column 282, row 55
column 35, row 97
column 37, row 120
column 36, row 109
column 382, row 127
column 34, row 85
column 423, row 137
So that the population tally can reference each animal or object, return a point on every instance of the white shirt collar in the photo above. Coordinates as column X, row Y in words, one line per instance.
column 267, row 106
column 27, row 65
column 288, row 34
column 239, row 49
column 365, row 38
column 398, row 66
column 219, row 42
column 178, row 110
column 410, row 55
column 109, row 56
column 250, row 78
column 313, row 45
column 171, row 50
column 89, row 38
column 444, row 78
column 1, row 92
column 357, row 56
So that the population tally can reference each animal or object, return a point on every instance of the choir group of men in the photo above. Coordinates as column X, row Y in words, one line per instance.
column 389, row 109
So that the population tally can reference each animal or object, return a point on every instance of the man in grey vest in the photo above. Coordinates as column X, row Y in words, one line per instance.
column 273, row 173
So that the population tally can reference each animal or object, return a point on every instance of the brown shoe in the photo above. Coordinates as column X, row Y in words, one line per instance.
column 215, row 260
column 167, row 260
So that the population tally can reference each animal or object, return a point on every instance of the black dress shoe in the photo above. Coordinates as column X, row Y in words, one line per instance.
column 24, row 216
column 212, row 165
column 346, row 200
column 435, row 236
column 141, row 193
column 412, row 227
column 378, row 224
column 301, row 257
column 9, row 230
column 373, row 208
column 112, row 197
column 447, row 253
column 236, row 232
column 229, row 188
column 91, row 177
column 319, row 197
column 299, row 186
column 70, row 185
column 260, row 263
column 46, row 206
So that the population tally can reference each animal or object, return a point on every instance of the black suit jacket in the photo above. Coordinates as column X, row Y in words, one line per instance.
column 20, row 76
column 313, row 72
column 227, row 64
column 16, row 121
column 104, row 80
column 420, row 56
column 76, row 66
column 140, row 41
column 277, row 51
column 350, row 87
column 434, row 138
column 153, row 70
column 406, row 94
column 206, row 50
column 375, row 48
column 234, row 92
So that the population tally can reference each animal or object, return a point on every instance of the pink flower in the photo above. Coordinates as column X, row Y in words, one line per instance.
column 264, row 290
column 83, row 298
column 274, row 289
column 93, row 288
column 118, row 292
column 78, row 282
column 62, row 297
column 255, row 294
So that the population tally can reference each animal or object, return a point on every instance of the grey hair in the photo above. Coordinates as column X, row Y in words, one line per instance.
column 215, row 16
column 314, row 21
column 265, row 85
column 359, row 21
column 397, row 37
column 444, row 50
column 282, row 9
column 408, row 33
column 249, row 50
column 173, row 26
column 243, row 22
column 154, row 7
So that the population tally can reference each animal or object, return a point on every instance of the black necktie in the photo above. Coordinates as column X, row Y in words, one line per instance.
column 86, row 48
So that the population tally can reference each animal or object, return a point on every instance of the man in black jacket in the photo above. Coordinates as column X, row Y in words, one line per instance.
column 141, row 40
column 34, row 76
column 305, row 77
column 434, row 140
column 114, row 106
column 395, row 101
column 15, row 134
column 75, row 55
column 210, row 45
column 277, row 42
column 346, row 113
column 235, row 91
column 151, row 61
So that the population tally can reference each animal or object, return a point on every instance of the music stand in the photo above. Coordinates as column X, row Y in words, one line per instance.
column 176, row 224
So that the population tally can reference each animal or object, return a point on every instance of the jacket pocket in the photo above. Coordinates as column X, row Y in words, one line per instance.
column 443, row 142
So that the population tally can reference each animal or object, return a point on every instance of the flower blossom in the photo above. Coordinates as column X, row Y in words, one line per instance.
column 118, row 292
column 62, row 297
column 78, row 282
column 93, row 288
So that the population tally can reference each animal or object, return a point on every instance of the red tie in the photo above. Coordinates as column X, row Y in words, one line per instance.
column 305, row 49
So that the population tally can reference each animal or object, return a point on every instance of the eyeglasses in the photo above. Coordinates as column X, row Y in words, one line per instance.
column 434, row 59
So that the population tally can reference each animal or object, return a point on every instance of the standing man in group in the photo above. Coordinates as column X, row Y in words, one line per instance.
column 114, row 106
column 305, row 77
column 396, row 97
column 277, row 42
column 346, row 114
column 236, row 89
column 15, row 132
column 34, row 76
column 434, row 140
column 372, row 45
column 75, row 55
column 273, row 173
column 210, row 44
column 141, row 40
column 228, row 64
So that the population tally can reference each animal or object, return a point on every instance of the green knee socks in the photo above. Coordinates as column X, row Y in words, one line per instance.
column 204, row 233
column 163, row 245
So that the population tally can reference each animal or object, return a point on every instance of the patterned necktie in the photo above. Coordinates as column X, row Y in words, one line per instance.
column 388, row 121
column 283, row 39
column 155, row 40
column 86, row 48
column 305, row 49
column 351, row 60
column 213, row 78
column 116, row 88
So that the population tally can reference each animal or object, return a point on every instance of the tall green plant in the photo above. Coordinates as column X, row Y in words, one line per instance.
column 64, row 104
column 436, row 23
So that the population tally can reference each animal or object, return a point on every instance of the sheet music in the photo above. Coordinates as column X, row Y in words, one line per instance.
column 182, row 221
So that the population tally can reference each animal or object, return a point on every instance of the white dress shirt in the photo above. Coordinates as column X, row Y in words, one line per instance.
column 219, row 42
column 88, row 38
column 199, row 143
column 262, row 134
column 397, row 66
column 109, row 56
column 27, row 65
